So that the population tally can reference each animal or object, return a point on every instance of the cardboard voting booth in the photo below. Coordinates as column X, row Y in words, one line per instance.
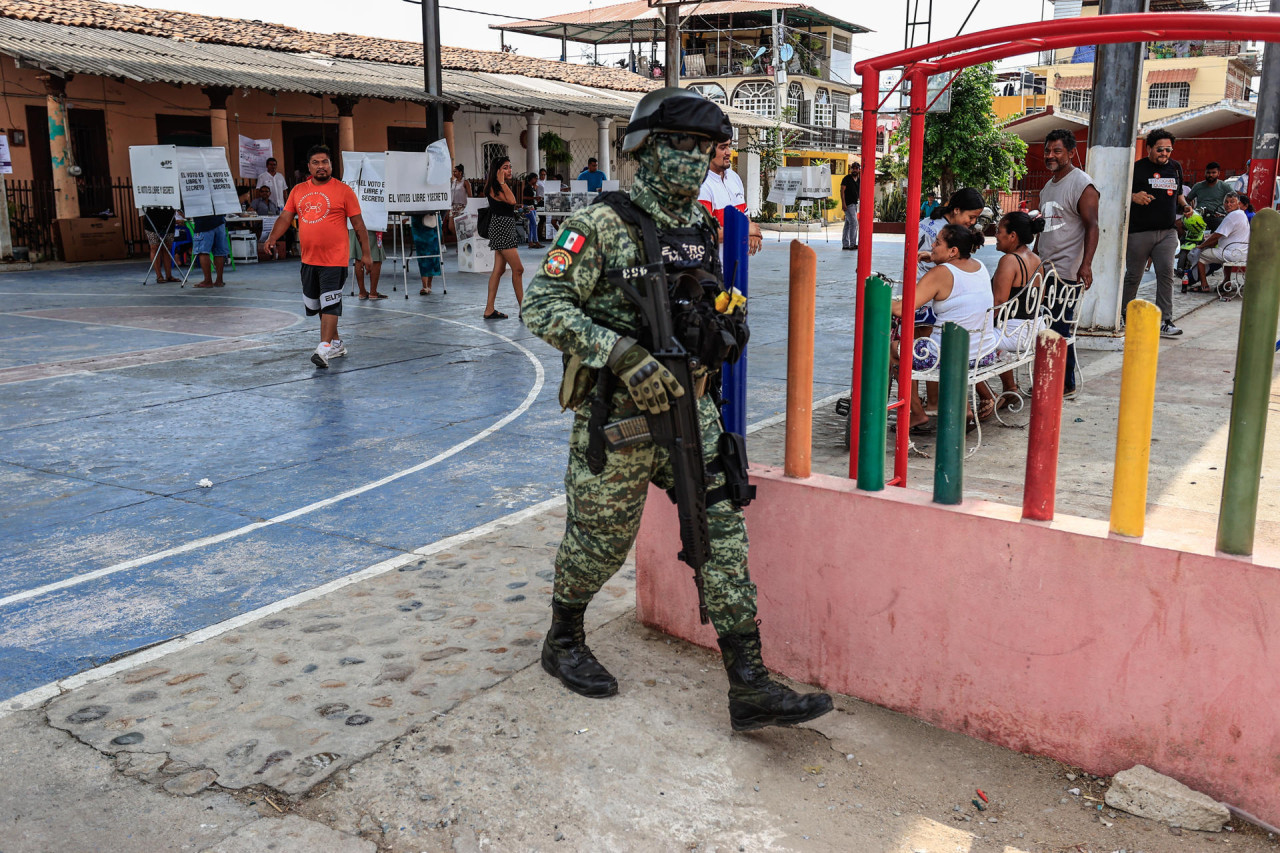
column 418, row 182
column 195, row 180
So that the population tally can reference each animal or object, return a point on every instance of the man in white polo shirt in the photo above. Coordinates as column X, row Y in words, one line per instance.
column 723, row 188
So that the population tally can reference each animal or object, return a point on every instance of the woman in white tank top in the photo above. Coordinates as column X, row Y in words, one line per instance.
column 960, row 289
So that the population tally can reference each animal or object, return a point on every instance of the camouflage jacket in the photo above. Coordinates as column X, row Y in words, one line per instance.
column 570, row 303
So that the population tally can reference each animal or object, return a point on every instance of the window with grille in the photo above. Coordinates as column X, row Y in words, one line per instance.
column 1169, row 96
column 823, row 114
column 1077, row 100
column 710, row 91
column 757, row 97
column 490, row 151
column 796, row 103
column 840, row 100
column 840, row 43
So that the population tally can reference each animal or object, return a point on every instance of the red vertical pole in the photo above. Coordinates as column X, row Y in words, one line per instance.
column 1046, row 423
column 866, row 215
column 915, row 160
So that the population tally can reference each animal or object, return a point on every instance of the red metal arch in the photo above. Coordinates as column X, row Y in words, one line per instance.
column 960, row 52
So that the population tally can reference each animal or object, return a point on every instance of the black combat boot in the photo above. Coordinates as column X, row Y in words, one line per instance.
column 755, row 699
column 566, row 656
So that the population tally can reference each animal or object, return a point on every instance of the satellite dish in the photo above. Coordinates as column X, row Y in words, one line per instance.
column 786, row 52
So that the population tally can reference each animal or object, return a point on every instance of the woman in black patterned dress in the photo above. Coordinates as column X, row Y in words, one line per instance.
column 503, row 237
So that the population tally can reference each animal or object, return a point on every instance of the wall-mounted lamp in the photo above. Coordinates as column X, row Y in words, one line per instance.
column 496, row 127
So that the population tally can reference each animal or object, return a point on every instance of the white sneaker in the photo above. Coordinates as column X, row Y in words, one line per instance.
column 320, row 358
column 337, row 349
column 1168, row 330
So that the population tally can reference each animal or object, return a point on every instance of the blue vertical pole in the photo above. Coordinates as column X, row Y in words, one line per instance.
column 734, row 381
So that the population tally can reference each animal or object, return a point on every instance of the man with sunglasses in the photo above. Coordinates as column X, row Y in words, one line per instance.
column 1153, row 209
column 576, row 303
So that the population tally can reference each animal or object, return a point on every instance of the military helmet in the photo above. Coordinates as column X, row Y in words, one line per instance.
column 675, row 110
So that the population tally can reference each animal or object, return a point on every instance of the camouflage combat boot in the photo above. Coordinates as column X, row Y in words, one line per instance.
column 755, row 699
column 566, row 656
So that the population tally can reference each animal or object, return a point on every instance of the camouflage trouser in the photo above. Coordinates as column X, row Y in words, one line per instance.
column 604, row 516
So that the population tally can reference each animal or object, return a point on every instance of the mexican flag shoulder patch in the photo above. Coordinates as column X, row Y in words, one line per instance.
column 571, row 241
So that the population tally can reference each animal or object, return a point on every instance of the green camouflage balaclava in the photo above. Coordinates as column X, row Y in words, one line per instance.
column 675, row 177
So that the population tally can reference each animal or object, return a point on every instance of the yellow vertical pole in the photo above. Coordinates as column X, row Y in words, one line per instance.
column 1133, row 433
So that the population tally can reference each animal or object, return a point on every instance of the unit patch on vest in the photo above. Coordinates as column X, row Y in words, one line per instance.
column 557, row 263
column 571, row 241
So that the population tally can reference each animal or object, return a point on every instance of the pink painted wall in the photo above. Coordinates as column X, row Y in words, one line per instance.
column 1052, row 639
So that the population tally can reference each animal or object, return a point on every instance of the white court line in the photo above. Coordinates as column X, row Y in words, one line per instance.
column 528, row 401
column 40, row 695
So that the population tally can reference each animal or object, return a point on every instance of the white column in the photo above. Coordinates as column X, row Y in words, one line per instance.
column 603, row 123
column 533, row 155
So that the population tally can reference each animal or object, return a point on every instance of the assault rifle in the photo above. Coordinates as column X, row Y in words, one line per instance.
column 676, row 429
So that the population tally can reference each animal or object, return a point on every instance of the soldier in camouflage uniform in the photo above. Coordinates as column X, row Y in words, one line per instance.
column 572, row 305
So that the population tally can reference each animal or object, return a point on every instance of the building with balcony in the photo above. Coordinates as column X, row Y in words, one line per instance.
column 774, row 59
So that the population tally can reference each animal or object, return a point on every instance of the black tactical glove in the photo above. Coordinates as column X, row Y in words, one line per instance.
column 650, row 384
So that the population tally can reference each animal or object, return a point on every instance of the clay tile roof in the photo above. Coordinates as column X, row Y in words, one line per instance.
column 1172, row 75
column 257, row 34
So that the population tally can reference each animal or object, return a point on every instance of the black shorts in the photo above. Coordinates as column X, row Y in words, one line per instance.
column 322, row 289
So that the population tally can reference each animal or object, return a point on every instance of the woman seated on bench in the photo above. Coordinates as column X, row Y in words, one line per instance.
column 960, row 289
column 1014, row 234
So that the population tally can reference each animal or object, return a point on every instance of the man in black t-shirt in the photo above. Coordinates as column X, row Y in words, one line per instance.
column 1156, row 198
column 850, row 188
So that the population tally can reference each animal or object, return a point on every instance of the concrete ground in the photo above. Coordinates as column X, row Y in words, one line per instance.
column 334, row 646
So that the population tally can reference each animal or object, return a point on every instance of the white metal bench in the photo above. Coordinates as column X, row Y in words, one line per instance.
column 1000, row 326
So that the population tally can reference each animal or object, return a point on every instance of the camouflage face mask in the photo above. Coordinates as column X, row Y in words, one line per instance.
column 680, row 173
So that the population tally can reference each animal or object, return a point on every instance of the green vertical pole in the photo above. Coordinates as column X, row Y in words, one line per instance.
column 953, row 385
column 872, row 411
column 1255, row 357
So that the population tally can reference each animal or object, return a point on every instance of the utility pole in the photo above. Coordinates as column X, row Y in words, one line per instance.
column 1117, row 79
column 775, row 59
column 671, row 15
column 431, row 68
column 1266, row 127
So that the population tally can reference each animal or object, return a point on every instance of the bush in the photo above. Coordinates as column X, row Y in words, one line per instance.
column 893, row 207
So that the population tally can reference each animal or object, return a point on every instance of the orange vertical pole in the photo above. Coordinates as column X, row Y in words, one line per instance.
column 866, row 217
column 800, row 329
column 1041, row 481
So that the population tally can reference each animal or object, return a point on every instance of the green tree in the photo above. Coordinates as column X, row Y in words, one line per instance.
column 964, row 147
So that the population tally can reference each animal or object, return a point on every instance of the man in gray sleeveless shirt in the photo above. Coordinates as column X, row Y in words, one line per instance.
column 1069, row 204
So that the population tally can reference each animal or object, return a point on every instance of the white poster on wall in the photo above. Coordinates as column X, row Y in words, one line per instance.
column 365, row 173
column 254, row 154
column 221, row 185
column 195, row 196
column 815, row 181
column 6, row 161
column 154, row 172
column 786, row 185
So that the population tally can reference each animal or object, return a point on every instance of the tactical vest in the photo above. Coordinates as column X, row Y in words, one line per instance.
column 691, row 257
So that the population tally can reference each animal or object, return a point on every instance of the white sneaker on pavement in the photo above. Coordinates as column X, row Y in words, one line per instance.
column 337, row 349
column 320, row 358
column 1168, row 330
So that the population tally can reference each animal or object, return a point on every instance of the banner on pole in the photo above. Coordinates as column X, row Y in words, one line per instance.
column 365, row 173
column 254, row 154
column 786, row 185
column 409, row 189
column 154, row 171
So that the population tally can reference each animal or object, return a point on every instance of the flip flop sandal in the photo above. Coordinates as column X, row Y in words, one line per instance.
column 496, row 315
column 378, row 296
column 929, row 427
column 424, row 292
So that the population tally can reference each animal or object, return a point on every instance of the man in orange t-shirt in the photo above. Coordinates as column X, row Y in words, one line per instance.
column 323, row 205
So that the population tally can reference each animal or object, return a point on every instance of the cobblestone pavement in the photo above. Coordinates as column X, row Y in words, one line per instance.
column 292, row 698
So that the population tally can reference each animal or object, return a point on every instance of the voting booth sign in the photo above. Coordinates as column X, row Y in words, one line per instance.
column 418, row 182
column 365, row 173
column 787, row 181
column 206, row 185
column 815, row 181
column 155, row 176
